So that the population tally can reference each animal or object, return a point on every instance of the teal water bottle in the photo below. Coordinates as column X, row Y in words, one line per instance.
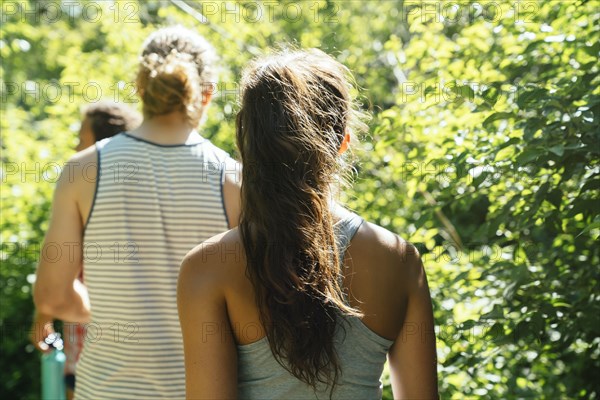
column 53, row 366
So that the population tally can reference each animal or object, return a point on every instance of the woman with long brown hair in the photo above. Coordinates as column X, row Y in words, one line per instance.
column 304, row 299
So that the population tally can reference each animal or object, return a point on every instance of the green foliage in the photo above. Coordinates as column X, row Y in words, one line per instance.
column 483, row 151
column 497, row 178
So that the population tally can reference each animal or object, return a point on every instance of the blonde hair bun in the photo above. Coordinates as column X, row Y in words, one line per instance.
column 176, row 67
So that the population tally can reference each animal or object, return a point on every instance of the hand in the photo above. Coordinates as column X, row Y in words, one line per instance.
column 42, row 327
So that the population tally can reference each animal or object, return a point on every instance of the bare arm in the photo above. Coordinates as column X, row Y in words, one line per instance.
column 57, row 290
column 209, row 346
column 231, row 191
column 412, row 358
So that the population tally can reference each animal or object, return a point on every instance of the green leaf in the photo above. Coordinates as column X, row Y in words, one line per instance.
column 488, row 122
column 593, row 50
column 529, row 154
column 558, row 149
column 590, row 184
column 532, row 126
column 531, row 97
column 593, row 225
column 480, row 179
column 555, row 197
column 497, row 312
column 465, row 326
column 496, row 333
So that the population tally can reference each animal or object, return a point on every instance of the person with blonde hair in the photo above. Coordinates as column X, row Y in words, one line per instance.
column 158, row 190
column 316, row 298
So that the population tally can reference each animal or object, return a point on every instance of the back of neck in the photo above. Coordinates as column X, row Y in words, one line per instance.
column 166, row 129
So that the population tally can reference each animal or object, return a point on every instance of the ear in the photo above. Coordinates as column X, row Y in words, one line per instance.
column 345, row 144
column 206, row 97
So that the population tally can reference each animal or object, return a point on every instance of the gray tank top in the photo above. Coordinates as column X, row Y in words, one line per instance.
column 361, row 351
column 153, row 203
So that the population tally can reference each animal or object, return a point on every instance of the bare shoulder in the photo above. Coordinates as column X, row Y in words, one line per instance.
column 381, row 274
column 80, row 169
column 221, row 249
column 394, row 258
column 213, row 264
column 87, row 158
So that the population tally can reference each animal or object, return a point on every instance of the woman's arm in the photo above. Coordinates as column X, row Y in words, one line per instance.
column 208, row 342
column 412, row 358
column 57, row 291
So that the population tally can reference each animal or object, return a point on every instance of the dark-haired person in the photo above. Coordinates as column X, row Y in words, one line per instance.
column 160, row 189
column 314, row 298
column 100, row 120
column 105, row 119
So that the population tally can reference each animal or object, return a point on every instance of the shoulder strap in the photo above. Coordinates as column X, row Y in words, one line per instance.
column 345, row 231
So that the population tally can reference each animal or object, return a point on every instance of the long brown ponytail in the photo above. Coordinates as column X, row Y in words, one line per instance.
column 295, row 110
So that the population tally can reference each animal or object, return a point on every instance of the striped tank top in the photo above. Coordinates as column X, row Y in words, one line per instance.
column 153, row 203
column 362, row 354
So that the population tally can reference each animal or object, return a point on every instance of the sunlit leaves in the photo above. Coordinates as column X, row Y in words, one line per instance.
column 483, row 151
